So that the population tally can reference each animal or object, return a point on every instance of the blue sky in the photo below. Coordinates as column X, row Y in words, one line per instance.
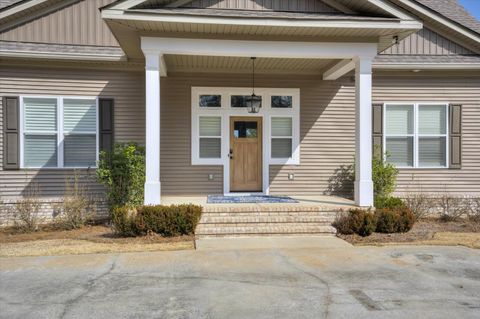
column 473, row 6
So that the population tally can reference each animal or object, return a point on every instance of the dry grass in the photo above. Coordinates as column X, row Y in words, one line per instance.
column 426, row 232
column 87, row 240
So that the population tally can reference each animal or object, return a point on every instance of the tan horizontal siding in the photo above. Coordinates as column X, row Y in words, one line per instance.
column 327, row 126
column 79, row 23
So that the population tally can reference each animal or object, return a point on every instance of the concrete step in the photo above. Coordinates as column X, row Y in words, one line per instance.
column 270, row 229
column 265, row 219
column 270, row 213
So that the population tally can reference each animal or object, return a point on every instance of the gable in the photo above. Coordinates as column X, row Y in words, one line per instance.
column 317, row 6
column 78, row 23
column 427, row 42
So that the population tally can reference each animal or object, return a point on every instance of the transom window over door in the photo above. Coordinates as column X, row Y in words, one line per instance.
column 59, row 132
column 416, row 134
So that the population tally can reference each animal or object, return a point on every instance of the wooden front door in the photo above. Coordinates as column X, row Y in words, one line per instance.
column 245, row 154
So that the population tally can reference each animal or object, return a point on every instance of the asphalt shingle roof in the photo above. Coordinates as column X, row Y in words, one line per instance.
column 453, row 10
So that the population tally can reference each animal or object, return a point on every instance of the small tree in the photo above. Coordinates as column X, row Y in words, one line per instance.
column 122, row 171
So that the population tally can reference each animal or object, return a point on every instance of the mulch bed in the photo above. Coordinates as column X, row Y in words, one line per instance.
column 93, row 233
column 422, row 230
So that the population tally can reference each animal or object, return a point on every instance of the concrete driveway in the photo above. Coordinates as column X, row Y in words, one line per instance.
column 365, row 282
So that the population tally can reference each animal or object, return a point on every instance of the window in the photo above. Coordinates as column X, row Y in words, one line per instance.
column 281, row 101
column 282, row 135
column 416, row 134
column 210, row 101
column 210, row 136
column 59, row 132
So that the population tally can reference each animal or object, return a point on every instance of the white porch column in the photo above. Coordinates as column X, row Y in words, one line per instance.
column 152, row 127
column 363, row 132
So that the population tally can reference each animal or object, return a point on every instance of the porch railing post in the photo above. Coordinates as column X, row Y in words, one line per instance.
column 152, row 128
column 363, row 131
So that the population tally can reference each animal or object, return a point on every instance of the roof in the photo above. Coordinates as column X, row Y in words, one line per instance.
column 453, row 10
column 8, row 3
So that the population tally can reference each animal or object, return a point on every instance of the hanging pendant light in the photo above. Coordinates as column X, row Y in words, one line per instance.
column 254, row 102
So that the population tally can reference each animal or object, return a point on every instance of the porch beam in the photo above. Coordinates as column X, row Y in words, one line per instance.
column 363, row 132
column 262, row 49
column 153, row 71
column 339, row 69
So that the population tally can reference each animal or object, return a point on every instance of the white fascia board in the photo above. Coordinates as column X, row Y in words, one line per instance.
column 62, row 56
column 427, row 66
column 462, row 30
column 20, row 7
column 125, row 5
column 382, row 4
column 262, row 49
column 339, row 69
column 181, row 18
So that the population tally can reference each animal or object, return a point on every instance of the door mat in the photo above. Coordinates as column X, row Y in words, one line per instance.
column 220, row 199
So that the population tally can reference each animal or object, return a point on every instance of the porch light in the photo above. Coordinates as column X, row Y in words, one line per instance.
column 254, row 102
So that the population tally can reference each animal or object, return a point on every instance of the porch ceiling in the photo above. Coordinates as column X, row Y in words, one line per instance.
column 196, row 63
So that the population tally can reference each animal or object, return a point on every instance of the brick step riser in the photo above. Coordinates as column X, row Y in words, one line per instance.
column 263, row 235
column 250, row 212
column 310, row 229
column 222, row 221
column 242, row 224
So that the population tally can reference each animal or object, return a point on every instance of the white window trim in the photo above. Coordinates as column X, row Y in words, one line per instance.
column 226, row 111
column 416, row 135
column 59, row 132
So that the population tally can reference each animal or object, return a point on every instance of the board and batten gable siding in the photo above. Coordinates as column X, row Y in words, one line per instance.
column 327, row 126
column 271, row 5
column 79, row 23
column 427, row 42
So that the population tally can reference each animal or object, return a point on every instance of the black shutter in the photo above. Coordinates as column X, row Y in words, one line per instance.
column 106, row 124
column 455, row 156
column 377, row 129
column 11, row 134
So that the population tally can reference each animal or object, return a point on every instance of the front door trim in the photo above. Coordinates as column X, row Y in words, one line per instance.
column 266, row 113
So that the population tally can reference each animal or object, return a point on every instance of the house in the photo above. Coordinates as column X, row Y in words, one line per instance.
column 334, row 78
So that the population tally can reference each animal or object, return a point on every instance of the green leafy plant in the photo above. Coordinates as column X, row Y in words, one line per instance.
column 123, row 221
column 388, row 202
column 384, row 176
column 122, row 171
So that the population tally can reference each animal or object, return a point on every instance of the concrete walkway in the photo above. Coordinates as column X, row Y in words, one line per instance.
column 343, row 282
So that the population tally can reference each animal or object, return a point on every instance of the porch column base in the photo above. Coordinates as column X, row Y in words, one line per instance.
column 152, row 193
column 363, row 193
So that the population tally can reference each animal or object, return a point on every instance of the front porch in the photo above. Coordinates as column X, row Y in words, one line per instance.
column 310, row 216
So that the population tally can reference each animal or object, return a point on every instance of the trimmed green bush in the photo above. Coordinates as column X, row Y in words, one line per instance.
column 168, row 221
column 123, row 220
column 356, row 221
column 388, row 202
column 397, row 220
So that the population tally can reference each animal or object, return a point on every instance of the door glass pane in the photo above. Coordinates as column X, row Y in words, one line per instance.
column 281, row 101
column 79, row 115
column 40, row 114
column 210, row 147
column 210, row 126
column 281, row 126
column 399, row 119
column 245, row 129
column 80, row 150
column 432, row 119
column 400, row 151
column 210, row 101
column 281, row 147
column 432, row 152
column 238, row 100
column 40, row 150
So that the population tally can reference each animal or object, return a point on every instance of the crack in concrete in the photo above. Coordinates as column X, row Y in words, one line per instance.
column 88, row 287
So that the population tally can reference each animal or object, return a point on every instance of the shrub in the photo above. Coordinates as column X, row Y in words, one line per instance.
column 356, row 221
column 384, row 176
column 452, row 207
column 122, row 171
column 474, row 209
column 419, row 203
column 396, row 220
column 388, row 202
column 26, row 212
column 77, row 207
column 168, row 221
column 123, row 221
